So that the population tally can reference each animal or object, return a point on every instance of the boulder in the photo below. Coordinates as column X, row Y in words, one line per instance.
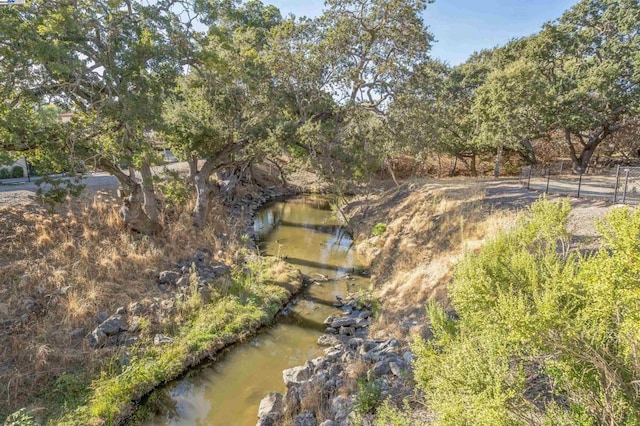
column 113, row 325
column 271, row 405
column 328, row 340
column 296, row 375
column 97, row 338
column 168, row 277
column 343, row 322
column 306, row 418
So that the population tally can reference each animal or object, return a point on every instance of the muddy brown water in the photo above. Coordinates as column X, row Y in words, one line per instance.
column 305, row 233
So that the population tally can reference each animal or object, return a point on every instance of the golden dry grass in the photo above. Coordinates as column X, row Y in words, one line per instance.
column 73, row 264
column 431, row 224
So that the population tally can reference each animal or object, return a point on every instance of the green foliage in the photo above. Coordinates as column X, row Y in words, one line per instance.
column 52, row 190
column 527, row 305
column 5, row 174
column 368, row 396
column 379, row 229
column 388, row 415
column 17, row 172
column 208, row 325
column 20, row 418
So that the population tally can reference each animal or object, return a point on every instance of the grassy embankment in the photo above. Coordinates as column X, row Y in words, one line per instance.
column 60, row 270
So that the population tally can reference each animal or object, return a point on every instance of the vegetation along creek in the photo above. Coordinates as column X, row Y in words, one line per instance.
column 305, row 233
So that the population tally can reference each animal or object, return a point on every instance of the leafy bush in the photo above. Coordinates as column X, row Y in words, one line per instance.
column 5, row 173
column 530, row 308
column 379, row 229
column 369, row 396
column 17, row 172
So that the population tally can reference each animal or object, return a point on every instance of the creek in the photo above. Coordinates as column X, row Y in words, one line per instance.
column 305, row 233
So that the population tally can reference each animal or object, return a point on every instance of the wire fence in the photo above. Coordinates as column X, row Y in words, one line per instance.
column 619, row 184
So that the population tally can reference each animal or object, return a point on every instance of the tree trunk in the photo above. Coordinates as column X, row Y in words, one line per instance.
column 133, row 213
column 496, row 169
column 528, row 153
column 150, row 204
column 391, row 171
column 472, row 165
column 201, row 209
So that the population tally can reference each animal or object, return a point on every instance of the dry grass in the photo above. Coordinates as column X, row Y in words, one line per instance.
column 61, row 269
column 430, row 225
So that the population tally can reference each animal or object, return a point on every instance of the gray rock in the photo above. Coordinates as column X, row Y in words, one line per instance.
column 328, row 340
column 361, row 323
column 97, row 338
column 346, row 331
column 330, row 330
column 160, row 339
column 343, row 322
column 121, row 310
column 306, row 418
column 355, row 342
column 168, row 277
column 102, row 316
column 381, row 368
column 296, row 375
column 113, row 325
column 271, row 405
column 330, row 319
column 396, row 368
column 163, row 287
column 408, row 357
column 76, row 332
column 328, row 423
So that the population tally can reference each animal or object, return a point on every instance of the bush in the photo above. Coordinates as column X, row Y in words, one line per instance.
column 529, row 308
column 369, row 396
column 17, row 172
column 5, row 173
column 379, row 229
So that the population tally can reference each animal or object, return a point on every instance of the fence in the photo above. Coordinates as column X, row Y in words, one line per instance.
column 618, row 184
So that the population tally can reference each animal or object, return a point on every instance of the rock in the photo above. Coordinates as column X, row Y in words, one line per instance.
column 113, row 325
column 346, row 331
column 306, row 418
column 97, row 338
column 396, row 369
column 163, row 287
column 407, row 357
column 330, row 319
column 364, row 314
column 76, row 332
column 343, row 322
column 160, row 339
column 168, row 277
column 296, row 375
column 136, row 308
column 361, row 323
column 330, row 330
column 102, row 316
column 328, row 340
column 379, row 369
column 271, row 405
column 121, row 310
column 355, row 342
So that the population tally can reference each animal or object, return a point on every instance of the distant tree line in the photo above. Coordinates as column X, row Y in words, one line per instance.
column 233, row 83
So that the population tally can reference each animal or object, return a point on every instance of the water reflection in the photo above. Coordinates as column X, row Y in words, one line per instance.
column 304, row 232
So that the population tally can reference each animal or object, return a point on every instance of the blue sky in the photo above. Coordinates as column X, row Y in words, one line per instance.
column 462, row 27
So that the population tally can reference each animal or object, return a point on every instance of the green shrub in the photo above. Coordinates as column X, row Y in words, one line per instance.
column 5, row 173
column 378, row 229
column 369, row 396
column 388, row 415
column 17, row 172
column 527, row 305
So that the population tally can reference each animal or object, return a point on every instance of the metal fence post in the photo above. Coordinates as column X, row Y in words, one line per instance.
column 615, row 190
column 579, row 184
column 546, row 191
column 626, row 182
column 529, row 178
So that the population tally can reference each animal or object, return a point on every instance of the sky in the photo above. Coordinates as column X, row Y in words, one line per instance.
column 462, row 27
